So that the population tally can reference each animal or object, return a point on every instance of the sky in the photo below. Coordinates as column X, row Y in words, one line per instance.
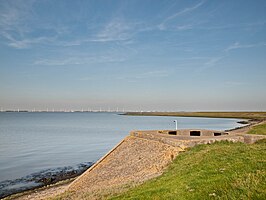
column 157, row 55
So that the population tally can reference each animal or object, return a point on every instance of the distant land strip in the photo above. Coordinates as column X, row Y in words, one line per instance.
column 242, row 115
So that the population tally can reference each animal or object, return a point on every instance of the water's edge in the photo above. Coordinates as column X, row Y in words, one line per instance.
column 42, row 178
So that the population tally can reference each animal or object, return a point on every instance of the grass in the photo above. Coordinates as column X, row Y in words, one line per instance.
column 221, row 170
column 242, row 115
column 258, row 129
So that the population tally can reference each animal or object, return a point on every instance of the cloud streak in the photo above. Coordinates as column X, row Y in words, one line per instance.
column 80, row 60
column 26, row 42
column 19, row 29
column 145, row 75
column 161, row 26
column 115, row 30
column 237, row 45
column 13, row 28
column 152, row 74
column 210, row 63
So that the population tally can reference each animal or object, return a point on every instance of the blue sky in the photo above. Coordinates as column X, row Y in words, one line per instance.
column 137, row 55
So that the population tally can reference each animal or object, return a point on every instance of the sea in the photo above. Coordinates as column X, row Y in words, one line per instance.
column 37, row 148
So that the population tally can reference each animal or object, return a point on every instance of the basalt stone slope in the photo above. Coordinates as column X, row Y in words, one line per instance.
column 127, row 163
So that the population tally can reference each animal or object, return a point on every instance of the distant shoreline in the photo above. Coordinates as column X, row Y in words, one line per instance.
column 253, row 116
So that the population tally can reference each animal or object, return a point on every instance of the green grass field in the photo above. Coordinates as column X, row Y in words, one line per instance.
column 258, row 129
column 218, row 171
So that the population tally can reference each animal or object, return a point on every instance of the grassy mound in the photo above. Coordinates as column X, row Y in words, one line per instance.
column 221, row 170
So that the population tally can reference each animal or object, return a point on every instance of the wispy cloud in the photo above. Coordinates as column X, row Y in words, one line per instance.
column 26, row 42
column 145, row 75
column 210, row 63
column 17, row 30
column 13, row 14
column 80, row 60
column 161, row 26
column 87, row 78
column 251, row 25
column 184, row 27
column 213, row 61
column 56, row 62
column 115, row 30
column 152, row 74
column 237, row 45
column 185, row 10
column 21, row 27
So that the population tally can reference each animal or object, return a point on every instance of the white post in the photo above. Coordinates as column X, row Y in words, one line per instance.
column 175, row 124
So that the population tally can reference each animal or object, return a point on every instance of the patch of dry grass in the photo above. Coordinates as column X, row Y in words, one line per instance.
column 241, row 115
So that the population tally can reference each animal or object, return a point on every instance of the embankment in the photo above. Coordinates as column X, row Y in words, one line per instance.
column 141, row 156
column 133, row 161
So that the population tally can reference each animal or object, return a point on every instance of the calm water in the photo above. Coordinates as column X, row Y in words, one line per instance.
column 31, row 142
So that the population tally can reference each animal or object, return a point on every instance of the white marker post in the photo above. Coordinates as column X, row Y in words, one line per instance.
column 175, row 124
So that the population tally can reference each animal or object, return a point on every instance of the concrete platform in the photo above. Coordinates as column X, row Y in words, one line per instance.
column 184, row 138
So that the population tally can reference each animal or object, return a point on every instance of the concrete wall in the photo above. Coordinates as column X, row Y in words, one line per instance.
column 188, row 132
column 183, row 141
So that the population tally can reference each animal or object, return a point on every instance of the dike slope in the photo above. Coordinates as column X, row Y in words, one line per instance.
column 126, row 164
